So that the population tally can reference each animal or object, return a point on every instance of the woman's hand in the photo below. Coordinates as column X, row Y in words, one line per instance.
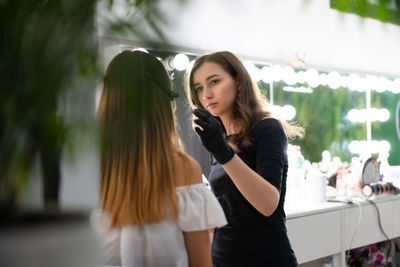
column 211, row 136
column 262, row 195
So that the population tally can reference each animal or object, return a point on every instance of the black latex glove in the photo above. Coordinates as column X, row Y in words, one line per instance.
column 211, row 136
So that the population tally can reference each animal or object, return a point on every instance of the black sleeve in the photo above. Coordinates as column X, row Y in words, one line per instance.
column 271, row 146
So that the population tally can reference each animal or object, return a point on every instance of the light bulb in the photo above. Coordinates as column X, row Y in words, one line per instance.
column 372, row 82
column 289, row 112
column 396, row 86
column 354, row 147
column 384, row 146
column 373, row 114
column 334, row 79
column 288, row 75
column 253, row 71
column 383, row 114
column 344, row 81
column 276, row 73
column 383, row 85
column 266, row 74
column 180, row 62
column 354, row 82
column 323, row 79
column 312, row 77
column 301, row 77
column 353, row 115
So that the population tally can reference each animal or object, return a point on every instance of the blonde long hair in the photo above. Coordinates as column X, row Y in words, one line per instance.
column 138, row 141
column 248, row 108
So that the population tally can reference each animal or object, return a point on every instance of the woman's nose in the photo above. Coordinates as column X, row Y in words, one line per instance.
column 207, row 94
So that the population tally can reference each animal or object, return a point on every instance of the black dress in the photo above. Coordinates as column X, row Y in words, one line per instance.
column 250, row 238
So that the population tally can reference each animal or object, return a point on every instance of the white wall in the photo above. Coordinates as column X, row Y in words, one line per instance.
column 273, row 30
column 79, row 185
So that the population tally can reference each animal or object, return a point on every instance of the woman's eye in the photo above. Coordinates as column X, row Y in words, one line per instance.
column 214, row 82
column 198, row 89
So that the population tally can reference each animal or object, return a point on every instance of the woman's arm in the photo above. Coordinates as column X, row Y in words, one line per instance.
column 198, row 248
column 197, row 242
column 261, row 194
column 260, row 187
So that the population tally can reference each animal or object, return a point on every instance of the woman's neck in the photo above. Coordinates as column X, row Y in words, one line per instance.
column 229, row 124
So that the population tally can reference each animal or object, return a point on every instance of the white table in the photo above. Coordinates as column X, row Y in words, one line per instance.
column 317, row 230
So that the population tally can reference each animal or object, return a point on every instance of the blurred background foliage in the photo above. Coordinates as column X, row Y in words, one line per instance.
column 387, row 130
column 44, row 45
column 383, row 10
column 49, row 68
column 323, row 115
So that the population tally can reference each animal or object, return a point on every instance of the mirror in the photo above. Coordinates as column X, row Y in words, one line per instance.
column 370, row 172
column 324, row 112
column 333, row 107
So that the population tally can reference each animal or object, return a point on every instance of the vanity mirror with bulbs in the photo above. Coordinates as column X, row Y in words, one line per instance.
column 347, row 113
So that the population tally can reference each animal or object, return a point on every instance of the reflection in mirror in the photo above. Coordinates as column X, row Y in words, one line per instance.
column 384, row 100
column 323, row 105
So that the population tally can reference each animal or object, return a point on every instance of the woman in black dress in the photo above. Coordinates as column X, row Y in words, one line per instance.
column 249, row 164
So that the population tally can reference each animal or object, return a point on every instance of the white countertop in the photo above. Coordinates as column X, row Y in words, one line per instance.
column 303, row 208
column 308, row 208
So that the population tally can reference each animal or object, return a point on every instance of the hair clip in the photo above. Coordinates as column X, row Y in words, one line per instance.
column 168, row 91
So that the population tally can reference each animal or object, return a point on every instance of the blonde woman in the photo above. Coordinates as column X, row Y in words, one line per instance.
column 158, row 209
column 248, row 164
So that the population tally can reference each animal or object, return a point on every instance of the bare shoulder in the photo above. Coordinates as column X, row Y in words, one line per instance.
column 189, row 167
column 196, row 171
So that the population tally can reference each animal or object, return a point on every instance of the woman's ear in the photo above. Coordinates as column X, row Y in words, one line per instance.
column 238, row 84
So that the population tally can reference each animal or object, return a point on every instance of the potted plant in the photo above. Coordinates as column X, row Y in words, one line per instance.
column 48, row 51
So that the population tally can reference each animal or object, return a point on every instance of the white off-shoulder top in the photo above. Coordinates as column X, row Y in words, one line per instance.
column 162, row 244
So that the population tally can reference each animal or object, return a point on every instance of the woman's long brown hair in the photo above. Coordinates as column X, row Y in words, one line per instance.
column 249, row 105
column 139, row 143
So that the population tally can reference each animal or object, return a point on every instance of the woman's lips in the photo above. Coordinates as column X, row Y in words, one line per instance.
column 211, row 105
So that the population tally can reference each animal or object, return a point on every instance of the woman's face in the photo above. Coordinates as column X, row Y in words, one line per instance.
column 216, row 88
